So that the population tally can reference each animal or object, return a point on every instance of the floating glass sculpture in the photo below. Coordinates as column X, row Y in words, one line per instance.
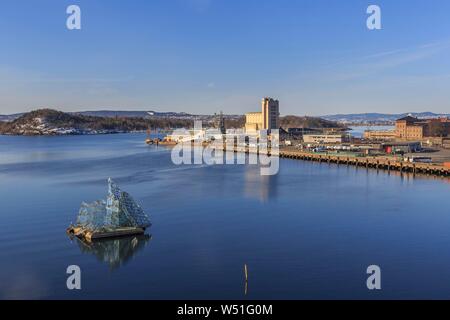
column 118, row 215
column 122, row 210
column 92, row 215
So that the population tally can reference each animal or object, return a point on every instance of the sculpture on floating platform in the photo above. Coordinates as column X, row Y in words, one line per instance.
column 119, row 215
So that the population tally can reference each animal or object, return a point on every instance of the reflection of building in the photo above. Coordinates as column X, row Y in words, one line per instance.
column 267, row 119
column 256, row 186
column 411, row 128
column 323, row 138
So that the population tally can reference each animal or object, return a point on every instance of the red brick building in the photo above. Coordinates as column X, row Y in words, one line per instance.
column 411, row 128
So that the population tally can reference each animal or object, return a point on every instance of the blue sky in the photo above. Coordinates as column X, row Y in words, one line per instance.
column 201, row 56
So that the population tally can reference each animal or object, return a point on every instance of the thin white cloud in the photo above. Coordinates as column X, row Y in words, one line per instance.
column 383, row 61
column 200, row 5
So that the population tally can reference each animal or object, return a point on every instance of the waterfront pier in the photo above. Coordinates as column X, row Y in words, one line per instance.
column 379, row 163
column 373, row 162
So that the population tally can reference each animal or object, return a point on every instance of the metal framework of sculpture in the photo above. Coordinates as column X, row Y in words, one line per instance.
column 120, row 211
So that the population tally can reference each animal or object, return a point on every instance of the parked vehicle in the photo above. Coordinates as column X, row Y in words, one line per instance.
column 419, row 159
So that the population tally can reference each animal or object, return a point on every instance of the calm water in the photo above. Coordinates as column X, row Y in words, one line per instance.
column 309, row 232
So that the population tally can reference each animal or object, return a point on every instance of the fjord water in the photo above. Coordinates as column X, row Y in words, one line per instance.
column 309, row 232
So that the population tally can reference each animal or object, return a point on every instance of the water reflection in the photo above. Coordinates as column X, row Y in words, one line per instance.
column 115, row 252
column 263, row 188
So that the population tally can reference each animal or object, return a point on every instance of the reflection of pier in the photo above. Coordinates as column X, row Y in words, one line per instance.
column 115, row 252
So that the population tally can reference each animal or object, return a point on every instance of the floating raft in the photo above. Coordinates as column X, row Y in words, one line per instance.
column 118, row 216
column 90, row 235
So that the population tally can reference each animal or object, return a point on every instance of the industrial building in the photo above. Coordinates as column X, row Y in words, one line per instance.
column 411, row 128
column 323, row 138
column 380, row 135
column 268, row 119
column 402, row 147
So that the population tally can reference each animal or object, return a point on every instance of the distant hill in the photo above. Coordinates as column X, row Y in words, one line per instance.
column 239, row 120
column 133, row 114
column 52, row 122
column 378, row 118
column 10, row 117
column 136, row 114
column 287, row 122
column 114, row 114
